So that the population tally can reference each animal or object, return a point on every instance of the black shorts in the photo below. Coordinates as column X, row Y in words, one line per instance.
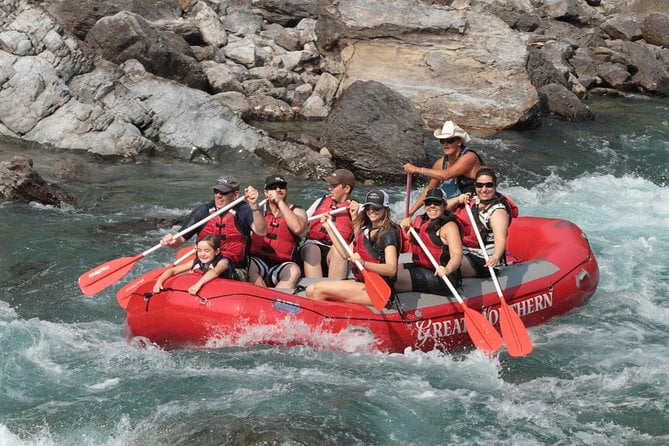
column 269, row 271
column 423, row 280
column 478, row 264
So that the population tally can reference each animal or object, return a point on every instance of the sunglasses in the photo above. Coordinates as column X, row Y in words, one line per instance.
column 216, row 191
column 373, row 207
column 276, row 186
column 489, row 185
column 433, row 203
column 449, row 140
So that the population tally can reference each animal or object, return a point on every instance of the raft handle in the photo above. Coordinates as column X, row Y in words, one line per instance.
column 580, row 276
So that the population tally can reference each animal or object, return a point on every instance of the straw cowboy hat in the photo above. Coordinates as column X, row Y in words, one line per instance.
column 450, row 130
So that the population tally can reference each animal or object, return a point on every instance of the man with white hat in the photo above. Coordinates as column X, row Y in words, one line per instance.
column 454, row 172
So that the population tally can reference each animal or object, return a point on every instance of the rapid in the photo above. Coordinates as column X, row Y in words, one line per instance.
column 597, row 376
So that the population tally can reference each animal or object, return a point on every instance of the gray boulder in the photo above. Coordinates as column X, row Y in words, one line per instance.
column 558, row 101
column 79, row 16
column 299, row 159
column 21, row 183
column 650, row 74
column 373, row 131
column 655, row 29
column 126, row 36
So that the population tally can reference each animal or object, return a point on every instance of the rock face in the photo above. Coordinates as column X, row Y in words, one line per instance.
column 130, row 78
column 464, row 66
column 373, row 131
column 556, row 99
column 20, row 182
column 126, row 36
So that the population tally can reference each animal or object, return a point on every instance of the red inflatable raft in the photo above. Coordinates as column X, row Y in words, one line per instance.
column 554, row 271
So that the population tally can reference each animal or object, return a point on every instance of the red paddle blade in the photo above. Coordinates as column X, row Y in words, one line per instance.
column 481, row 331
column 106, row 274
column 516, row 337
column 124, row 294
column 378, row 289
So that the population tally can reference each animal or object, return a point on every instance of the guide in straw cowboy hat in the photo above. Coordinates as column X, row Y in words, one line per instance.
column 454, row 172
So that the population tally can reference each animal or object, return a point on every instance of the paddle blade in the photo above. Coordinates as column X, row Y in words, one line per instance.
column 481, row 331
column 516, row 337
column 125, row 293
column 378, row 289
column 106, row 274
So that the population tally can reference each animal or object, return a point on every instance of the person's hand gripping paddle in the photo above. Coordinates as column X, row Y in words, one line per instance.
column 378, row 289
column 516, row 337
column 480, row 330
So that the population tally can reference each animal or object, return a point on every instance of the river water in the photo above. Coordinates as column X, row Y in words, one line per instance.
column 598, row 375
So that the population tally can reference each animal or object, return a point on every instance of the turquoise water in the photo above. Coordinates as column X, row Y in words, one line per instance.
column 599, row 375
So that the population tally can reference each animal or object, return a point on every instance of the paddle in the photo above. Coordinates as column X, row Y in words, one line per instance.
column 407, row 197
column 378, row 289
column 104, row 275
column 515, row 334
column 481, row 331
column 123, row 295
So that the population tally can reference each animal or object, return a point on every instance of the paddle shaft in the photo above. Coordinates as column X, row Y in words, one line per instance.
column 102, row 276
column 196, row 225
column 125, row 292
column 518, row 342
column 336, row 211
column 485, row 252
column 343, row 243
column 407, row 198
column 480, row 329
column 378, row 289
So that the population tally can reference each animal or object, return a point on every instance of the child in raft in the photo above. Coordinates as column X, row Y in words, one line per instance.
column 209, row 264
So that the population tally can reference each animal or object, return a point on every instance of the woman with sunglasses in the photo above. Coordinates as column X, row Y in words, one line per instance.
column 454, row 171
column 492, row 213
column 376, row 245
column 441, row 233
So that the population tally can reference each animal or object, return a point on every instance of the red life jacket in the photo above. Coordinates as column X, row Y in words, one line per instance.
column 431, row 239
column 278, row 245
column 342, row 221
column 233, row 242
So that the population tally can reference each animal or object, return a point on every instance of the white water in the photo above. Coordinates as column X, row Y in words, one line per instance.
column 598, row 375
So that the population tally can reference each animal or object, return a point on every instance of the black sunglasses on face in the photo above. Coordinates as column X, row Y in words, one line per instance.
column 489, row 185
column 433, row 203
column 449, row 140
column 373, row 207
column 216, row 191
column 276, row 186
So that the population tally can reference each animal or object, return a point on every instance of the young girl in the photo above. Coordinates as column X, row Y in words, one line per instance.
column 376, row 245
column 208, row 263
